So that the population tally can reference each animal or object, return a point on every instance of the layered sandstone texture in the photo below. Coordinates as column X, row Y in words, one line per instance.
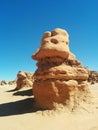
column 60, row 78
column 24, row 79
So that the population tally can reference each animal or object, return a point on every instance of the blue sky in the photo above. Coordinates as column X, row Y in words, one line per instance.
column 23, row 22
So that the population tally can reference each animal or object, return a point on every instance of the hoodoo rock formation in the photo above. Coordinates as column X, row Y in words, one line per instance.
column 13, row 82
column 3, row 82
column 60, row 77
column 24, row 79
column 93, row 77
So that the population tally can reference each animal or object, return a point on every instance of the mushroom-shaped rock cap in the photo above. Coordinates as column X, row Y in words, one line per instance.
column 55, row 36
column 54, row 43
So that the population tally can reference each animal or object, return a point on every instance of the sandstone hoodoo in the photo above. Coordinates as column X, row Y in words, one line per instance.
column 3, row 82
column 93, row 77
column 24, row 79
column 60, row 77
column 13, row 82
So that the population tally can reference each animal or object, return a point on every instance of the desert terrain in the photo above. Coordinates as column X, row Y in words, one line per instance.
column 17, row 112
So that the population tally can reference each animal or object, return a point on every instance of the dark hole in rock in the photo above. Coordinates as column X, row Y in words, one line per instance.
column 55, row 41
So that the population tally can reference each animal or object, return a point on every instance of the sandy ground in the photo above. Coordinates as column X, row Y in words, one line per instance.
column 17, row 112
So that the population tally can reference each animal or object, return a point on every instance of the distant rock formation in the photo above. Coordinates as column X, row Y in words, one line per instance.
column 24, row 79
column 60, row 77
column 93, row 77
column 3, row 82
column 13, row 82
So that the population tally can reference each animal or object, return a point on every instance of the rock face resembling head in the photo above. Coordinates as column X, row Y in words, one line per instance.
column 54, row 43
column 60, row 77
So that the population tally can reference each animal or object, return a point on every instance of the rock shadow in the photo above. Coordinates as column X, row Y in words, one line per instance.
column 28, row 92
column 18, row 107
column 11, row 90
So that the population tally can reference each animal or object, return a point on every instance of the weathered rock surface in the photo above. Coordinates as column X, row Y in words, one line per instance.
column 63, row 72
column 60, row 77
column 54, row 43
column 24, row 79
column 93, row 77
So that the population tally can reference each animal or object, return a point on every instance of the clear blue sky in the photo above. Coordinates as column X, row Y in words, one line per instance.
column 23, row 22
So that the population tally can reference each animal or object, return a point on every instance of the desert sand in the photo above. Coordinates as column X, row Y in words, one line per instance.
column 17, row 112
